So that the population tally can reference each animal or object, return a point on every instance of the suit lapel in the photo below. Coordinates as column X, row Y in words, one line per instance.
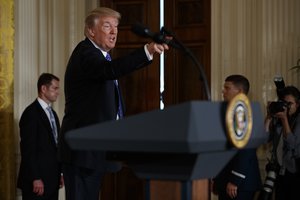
column 45, row 120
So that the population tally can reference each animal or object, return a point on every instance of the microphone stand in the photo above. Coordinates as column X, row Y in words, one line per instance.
column 177, row 44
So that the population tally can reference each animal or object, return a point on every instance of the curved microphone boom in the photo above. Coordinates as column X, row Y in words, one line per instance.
column 196, row 62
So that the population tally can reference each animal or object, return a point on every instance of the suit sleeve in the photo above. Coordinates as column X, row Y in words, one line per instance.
column 91, row 64
column 240, row 169
column 28, row 145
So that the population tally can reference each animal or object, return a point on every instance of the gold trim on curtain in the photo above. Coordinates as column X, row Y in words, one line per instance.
column 7, row 142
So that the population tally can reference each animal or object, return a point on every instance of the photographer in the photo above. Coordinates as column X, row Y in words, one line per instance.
column 283, row 125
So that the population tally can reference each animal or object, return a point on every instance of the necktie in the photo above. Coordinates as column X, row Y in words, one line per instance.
column 120, row 109
column 53, row 124
column 107, row 57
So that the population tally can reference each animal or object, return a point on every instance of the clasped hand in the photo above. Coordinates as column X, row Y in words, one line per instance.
column 157, row 48
column 231, row 190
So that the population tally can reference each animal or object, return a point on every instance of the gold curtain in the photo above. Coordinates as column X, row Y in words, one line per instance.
column 7, row 142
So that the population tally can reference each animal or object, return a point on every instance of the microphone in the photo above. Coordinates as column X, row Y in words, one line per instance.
column 159, row 38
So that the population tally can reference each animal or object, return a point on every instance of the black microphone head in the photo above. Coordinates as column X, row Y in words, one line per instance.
column 141, row 30
column 164, row 31
column 144, row 31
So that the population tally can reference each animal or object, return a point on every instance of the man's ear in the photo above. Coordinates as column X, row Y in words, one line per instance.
column 241, row 90
column 43, row 88
column 91, row 32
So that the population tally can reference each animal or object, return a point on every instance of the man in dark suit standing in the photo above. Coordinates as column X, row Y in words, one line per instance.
column 92, row 96
column 240, row 178
column 40, row 172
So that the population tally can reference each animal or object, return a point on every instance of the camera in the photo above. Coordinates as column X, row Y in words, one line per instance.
column 277, row 106
column 280, row 85
column 272, row 169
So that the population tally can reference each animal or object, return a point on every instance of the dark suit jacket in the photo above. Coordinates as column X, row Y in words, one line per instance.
column 38, row 150
column 91, row 97
column 245, row 163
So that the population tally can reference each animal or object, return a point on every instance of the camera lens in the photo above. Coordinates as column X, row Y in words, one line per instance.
column 269, row 182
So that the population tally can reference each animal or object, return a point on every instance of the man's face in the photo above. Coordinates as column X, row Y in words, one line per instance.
column 105, row 32
column 230, row 90
column 50, row 92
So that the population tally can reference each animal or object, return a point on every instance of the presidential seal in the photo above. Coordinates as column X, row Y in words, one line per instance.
column 239, row 120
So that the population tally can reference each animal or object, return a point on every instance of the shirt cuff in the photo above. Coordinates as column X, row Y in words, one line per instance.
column 149, row 56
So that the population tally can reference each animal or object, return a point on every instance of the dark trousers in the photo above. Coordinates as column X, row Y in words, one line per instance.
column 287, row 186
column 29, row 195
column 82, row 183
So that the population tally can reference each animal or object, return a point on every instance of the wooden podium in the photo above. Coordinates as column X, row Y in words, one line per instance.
column 184, row 142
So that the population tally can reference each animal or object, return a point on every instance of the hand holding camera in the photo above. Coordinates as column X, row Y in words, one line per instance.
column 278, row 108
